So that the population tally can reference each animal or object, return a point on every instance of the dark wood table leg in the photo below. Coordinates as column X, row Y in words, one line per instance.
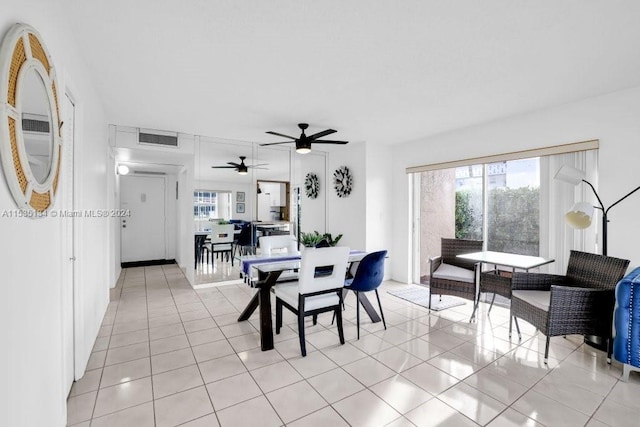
column 266, row 328
column 263, row 299
column 250, row 308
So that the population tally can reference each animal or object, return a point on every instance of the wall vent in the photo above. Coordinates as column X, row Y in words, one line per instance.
column 31, row 125
column 156, row 139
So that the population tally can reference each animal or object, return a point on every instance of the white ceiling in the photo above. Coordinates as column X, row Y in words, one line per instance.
column 377, row 71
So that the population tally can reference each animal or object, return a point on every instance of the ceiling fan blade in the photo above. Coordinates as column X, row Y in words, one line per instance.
column 264, row 169
column 276, row 143
column 282, row 135
column 235, row 165
column 321, row 134
column 224, row 167
column 261, row 164
column 327, row 141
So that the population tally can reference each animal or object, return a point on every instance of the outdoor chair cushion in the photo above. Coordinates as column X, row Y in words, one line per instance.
column 451, row 272
column 538, row 299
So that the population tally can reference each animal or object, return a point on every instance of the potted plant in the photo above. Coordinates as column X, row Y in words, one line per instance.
column 315, row 239
column 330, row 240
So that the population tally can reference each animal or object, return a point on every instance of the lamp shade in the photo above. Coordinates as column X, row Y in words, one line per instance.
column 580, row 215
column 570, row 175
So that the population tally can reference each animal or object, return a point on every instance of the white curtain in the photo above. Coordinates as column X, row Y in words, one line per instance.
column 556, row 198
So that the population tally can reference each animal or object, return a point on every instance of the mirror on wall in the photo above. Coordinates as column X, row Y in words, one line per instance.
column 273, row 197
column 215, row 173
column 36, row 124
column 312, row 203
column 30, row 139
column 224, row 193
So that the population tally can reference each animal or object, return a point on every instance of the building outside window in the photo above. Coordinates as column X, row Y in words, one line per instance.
column 205, row 205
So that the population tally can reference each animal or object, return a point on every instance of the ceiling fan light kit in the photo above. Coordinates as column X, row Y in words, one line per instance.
column 241, row 168
column 303, row 147
column 303, row 142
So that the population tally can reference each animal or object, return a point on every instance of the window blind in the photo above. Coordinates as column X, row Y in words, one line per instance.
column 515, row 155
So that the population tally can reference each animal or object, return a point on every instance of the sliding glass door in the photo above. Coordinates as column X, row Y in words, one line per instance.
column 498, row 203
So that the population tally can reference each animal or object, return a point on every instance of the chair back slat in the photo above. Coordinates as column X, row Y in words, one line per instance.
column 222, row 233
column 453, row 247
column 589, row 270
column 336, row 257
column 269, row 244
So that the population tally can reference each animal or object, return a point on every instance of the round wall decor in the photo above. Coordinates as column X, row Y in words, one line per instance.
column 30, row 139
column 343, row 181
column 311, row 185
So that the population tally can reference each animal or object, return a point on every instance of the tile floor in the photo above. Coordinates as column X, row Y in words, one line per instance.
column 218, row 271
column 168, row 355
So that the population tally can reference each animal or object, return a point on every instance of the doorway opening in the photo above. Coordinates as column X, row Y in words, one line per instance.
column 273, row 201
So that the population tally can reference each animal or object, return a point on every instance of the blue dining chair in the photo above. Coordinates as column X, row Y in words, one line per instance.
column 367, row 278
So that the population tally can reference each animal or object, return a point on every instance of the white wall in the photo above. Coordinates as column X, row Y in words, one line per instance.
column 170, row 214
column 113, row 194
column 380, row 211
column 613, row 119
column 31, row 262
column 347, row 215
column 185, row 256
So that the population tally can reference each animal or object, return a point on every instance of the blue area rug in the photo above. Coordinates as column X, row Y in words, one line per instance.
column 420, row 295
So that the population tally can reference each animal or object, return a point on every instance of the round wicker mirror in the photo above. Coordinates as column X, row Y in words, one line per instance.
column 30, row 139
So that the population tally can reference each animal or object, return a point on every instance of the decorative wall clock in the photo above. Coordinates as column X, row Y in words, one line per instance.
column 311, row 185
column 343, row 181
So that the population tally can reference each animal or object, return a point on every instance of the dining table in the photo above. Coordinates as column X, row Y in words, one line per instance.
column 269, row 270
column 504, row 259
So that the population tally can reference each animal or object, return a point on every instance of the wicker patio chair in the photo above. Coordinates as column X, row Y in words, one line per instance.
column 580, row 302
column 450, row 275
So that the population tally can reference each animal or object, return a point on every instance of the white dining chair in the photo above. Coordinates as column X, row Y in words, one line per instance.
column 278, row 244
column 221, row 241
column 317, row 290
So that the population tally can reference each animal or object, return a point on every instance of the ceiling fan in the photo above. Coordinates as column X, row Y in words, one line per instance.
column 303, row 142
column 241, row 168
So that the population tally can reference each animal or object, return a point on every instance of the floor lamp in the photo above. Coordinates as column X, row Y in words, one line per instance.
column 580, row 216
column 581, row 213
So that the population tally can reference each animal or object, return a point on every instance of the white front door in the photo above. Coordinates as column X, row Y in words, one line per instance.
column 143, row 231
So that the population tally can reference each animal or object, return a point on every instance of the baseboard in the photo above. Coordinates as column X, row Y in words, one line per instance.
column 147, row 263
